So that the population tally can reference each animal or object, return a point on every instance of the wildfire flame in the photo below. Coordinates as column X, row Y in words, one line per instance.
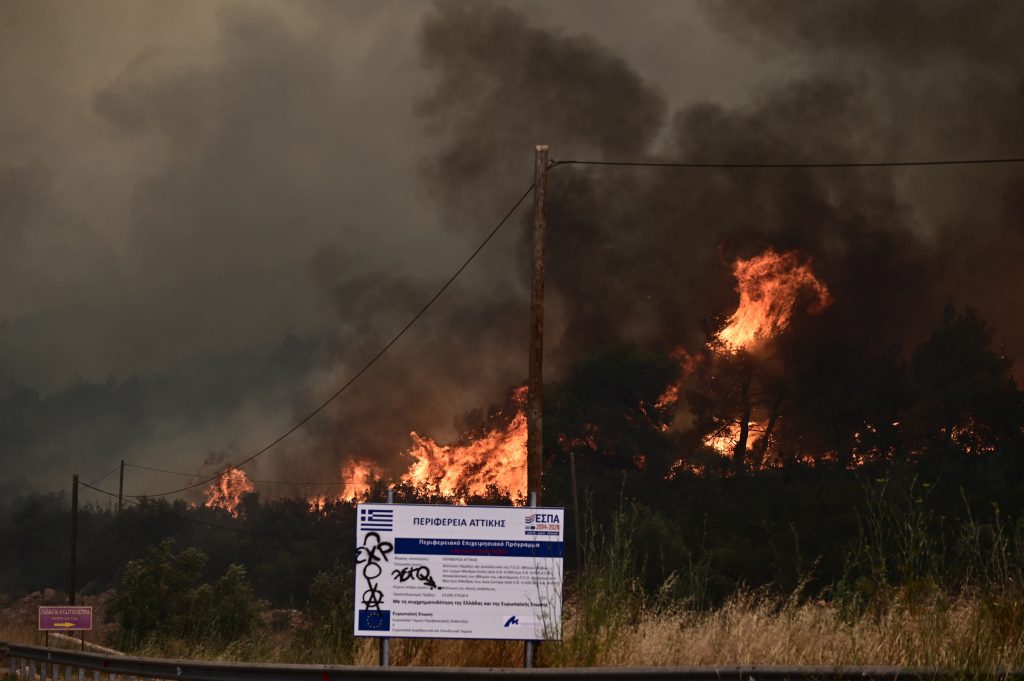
column 769, row 285
column 724, row 441
column 227, row 490
column 687, row 365
column 669, row 397
column 357, row 475
column 497, row 458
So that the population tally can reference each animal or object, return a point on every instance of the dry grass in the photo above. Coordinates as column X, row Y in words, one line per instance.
column 750, row 629
column 441, row 653
column 962, row 633
column 966, row 632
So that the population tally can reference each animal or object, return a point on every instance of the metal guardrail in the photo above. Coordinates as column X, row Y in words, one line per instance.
column 32, row 663
column 82, row 645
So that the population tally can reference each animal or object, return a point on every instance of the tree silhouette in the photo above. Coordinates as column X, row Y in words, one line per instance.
column 609, row 408
column 966, row 394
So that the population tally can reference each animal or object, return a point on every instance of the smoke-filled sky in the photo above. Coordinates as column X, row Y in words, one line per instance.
column 212, row 213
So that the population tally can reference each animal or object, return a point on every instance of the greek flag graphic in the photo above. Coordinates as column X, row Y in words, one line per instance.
column 376, row 519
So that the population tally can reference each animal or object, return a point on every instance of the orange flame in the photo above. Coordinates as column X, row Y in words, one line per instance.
column 669, row 397
column 687, row 365
column 769, row 285
column 724, row 441
column 357, row 476
column 497, row 458
column 227, row 490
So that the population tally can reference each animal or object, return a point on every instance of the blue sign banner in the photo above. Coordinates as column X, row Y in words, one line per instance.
column 480, row 547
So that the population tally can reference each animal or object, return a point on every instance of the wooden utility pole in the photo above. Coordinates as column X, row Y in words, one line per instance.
column 120, row 490
column 534, row 406
column 74, row 539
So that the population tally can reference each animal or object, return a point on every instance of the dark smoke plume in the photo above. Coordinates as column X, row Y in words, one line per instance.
column 268, row 205
column 644, row 255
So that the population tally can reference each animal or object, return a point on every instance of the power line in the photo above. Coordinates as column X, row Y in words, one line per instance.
column 160, row 470
column 24, row 441
column 768, row 166
column 345, row 482
column 487, row 239
column 206, row 523
column 303, row 421
column 105, row 475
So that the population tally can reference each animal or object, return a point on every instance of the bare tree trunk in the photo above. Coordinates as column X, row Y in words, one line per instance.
column 772, row 418
column 740, row 451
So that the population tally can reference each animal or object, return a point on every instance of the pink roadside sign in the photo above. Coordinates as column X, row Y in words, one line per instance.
column 65, row 618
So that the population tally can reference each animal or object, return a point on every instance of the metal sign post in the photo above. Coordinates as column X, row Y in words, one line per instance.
column 528, row 648
column 385, row 643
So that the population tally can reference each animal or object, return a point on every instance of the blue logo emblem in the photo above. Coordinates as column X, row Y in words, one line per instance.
column 512, row 621
column 542, row 524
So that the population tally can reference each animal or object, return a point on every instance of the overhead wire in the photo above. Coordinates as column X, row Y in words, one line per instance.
column 160, row 470
column 105, row 475
column 825, row 164
column 553, row 164
column 373, row 360
column 261, row 482
column 206, row 523
column 30, row 441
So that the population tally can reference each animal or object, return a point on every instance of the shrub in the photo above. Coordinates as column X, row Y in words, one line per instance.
column 329, row 614
column 160, row 597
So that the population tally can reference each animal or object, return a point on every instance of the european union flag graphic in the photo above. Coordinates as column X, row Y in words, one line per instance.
column 374, row 620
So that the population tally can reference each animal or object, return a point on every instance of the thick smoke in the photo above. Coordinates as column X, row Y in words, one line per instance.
column 643, row 255
column 937, row 80
column 501, row 86
column 168, row 177
column 270, row 177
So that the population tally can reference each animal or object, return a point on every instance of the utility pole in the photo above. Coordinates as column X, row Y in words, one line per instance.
column 74, row 539
column 120, row 490
column 534, row 406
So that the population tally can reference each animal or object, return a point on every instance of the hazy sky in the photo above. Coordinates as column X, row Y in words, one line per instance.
column 171, row 168
column 212, row 212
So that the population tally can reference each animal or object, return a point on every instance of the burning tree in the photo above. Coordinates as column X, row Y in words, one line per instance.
column 741, row 386
column 610, row 408
column 491, row 455
column 227, row 490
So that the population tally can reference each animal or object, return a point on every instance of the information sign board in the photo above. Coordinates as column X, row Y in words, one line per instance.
column 428, row 571
column 65, row 618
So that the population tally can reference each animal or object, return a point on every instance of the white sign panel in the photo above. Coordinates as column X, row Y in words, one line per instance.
column 425, row 571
